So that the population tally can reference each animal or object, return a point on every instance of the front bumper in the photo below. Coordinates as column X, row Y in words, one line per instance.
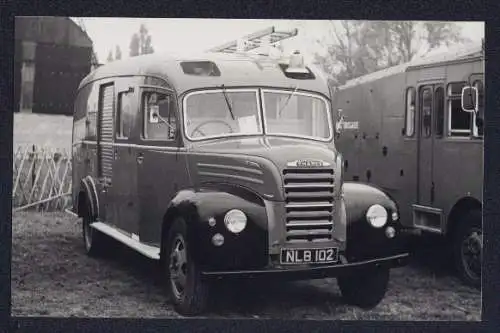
column 311, row 272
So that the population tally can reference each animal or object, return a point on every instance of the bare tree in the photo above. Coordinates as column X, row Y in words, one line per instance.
column 357, row 48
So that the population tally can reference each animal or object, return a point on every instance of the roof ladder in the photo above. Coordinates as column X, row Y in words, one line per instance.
column 255, row 40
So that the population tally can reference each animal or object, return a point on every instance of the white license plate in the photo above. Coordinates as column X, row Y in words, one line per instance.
column 309, row 256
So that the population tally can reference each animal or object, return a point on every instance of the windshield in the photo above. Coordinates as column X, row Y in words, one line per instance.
column 296, row 114
column 231, row 112
column 218, row 113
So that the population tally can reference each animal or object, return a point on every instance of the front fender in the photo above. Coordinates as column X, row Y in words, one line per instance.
column 363, row 240
column 359, row 197
column 197, row 206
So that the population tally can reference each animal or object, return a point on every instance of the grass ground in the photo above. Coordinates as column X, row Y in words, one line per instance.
column 51, row 276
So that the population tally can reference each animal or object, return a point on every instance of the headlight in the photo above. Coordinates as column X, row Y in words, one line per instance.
column 377, row 216
column 235, row 221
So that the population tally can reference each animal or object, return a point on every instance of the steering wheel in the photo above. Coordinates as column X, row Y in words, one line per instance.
column 197, row 128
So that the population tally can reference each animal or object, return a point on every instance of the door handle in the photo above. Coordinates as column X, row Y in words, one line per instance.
column 140, row 158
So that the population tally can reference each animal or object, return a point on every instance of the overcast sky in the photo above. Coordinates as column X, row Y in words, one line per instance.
column 195, row 35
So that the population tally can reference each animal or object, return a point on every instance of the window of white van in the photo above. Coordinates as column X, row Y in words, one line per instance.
column 426, row 111
column 410, row 112
column 159, row 116
column 439, row 110
column 459, row 122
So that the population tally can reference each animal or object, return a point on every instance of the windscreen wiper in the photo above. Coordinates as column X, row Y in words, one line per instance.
column 288, row 100
column 227, row 102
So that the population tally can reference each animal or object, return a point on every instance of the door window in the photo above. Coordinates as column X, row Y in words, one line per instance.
column 459, row 122
column 426, row 111
column 159, row 116
column 125, row 114
column 439, row 111
column 410, row 112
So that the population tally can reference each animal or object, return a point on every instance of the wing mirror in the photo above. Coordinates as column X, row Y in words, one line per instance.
column 469, row 99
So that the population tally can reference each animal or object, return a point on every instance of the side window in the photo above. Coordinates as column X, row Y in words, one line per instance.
column 426, row 111
column 159, row 116
column 479, row 117
column 459, row 122
column 439, row 111
column 410, row 112
column 79, row 116
column 125, row 114
column 91, row 107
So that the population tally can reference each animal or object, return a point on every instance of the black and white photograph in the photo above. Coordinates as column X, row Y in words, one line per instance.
column 247, row 169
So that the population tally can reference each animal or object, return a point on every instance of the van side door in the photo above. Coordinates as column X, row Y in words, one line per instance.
column 157, row 159
column 125, row 204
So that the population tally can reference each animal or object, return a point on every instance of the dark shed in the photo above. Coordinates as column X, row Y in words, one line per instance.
column 52, row 55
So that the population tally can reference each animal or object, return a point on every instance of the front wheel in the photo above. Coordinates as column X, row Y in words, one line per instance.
column 468, row 248
column 366, row 289
column 186, row 288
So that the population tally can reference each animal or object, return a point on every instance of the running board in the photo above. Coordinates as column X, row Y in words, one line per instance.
column 151, row 252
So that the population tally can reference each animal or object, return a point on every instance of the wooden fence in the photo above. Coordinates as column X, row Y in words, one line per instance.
column 41, row 178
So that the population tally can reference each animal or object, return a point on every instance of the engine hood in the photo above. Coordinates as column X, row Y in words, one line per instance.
column 256, row 163
column 278, row 150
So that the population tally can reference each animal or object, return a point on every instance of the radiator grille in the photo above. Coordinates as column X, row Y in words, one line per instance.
column 309, row 203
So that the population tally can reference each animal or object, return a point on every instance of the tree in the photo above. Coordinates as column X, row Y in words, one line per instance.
column 110, row 56
column 141, row 42
column 356, row 48
column 134, row 45
column 118, row 53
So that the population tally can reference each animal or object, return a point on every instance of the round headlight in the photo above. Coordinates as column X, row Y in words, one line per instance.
column 377, row 216
column 235, row 221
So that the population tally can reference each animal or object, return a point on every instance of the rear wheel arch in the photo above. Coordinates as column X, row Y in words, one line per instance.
column 82, row 203
column 462, row 206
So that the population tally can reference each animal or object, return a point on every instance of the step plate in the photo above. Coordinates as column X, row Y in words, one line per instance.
column 149, row 251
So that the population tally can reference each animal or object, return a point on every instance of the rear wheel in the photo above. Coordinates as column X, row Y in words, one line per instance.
column 94, row 241
column 468, row 248
column 366, row 289
column 186, row 288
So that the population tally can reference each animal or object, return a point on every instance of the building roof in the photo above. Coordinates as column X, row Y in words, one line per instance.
column 51, row 30
column 465, row 51
column 236, row 70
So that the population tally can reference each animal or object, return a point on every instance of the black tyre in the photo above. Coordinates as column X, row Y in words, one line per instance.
column 468, row 248
column 365, row 289
column 187, row 290
column 93, row 240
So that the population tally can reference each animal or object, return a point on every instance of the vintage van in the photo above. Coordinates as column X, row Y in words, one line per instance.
column 224, row 165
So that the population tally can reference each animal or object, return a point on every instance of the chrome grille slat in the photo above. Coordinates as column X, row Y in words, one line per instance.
column 309, row 223
column 309, row 196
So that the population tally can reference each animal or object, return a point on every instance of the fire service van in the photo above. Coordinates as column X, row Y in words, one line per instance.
column 225, row 165
column 414, row 131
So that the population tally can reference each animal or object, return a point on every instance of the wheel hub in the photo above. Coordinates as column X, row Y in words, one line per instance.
column 178, row 267
column 472, row 246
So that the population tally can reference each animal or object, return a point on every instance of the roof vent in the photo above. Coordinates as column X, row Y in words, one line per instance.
column 296, row 69
column 200, row 68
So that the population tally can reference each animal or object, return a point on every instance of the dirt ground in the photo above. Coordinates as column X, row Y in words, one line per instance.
column 51, row 276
